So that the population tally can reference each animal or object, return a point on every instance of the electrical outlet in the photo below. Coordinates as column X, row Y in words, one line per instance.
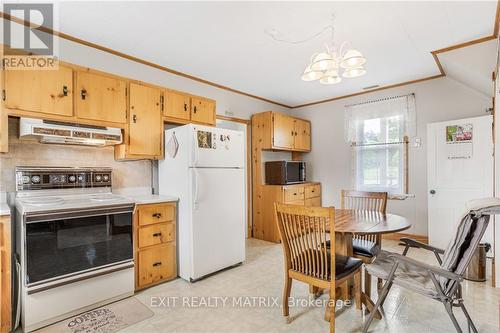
column 417, row 142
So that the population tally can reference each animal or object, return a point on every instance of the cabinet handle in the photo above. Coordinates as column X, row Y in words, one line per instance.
column 292, row 133
column 156, row 264
column 157, row 215
column 195, row 109
column 134, row 118
column 83, row 93
column 295, row 133
column 185, row 107
column 157, row 234
column 65, row 90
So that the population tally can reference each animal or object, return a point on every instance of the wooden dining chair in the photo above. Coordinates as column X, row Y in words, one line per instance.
column 365, row 246
column 304, row 232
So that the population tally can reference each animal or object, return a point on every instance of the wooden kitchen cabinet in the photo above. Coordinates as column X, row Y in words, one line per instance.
column 264, row 224
column 302, row 135
column 154, row 244
column 145, row 121
column 47, row 92
column 177, row 105
column 100, row 97
column 202, row 111
column 5, row 276
column 144, row 131
column 185, row 108
column 278, row 131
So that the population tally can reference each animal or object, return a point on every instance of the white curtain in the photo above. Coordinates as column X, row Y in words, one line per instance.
column 403, row 106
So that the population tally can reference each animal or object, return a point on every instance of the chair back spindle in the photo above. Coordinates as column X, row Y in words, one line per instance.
column 365, row 201
column 304, row 234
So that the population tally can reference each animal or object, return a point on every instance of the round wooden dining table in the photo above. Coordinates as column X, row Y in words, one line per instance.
column 349, row 222
column 362, row 222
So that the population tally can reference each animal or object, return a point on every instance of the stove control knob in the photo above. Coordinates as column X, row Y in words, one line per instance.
column 72, row 179
column 35, row 179
column 26, row 179
column 105, row 178
column 98, row 178
column 80, row 178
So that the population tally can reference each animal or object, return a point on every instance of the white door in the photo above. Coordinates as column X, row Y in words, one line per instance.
column 459, row 168
column 218, row 219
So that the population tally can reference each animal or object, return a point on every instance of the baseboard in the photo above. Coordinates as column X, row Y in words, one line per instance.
column 397, row 235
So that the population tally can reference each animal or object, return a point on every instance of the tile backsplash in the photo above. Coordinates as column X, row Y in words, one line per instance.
column 23, row 152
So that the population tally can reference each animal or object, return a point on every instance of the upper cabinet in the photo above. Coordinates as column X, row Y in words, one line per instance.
column 302, row 135
column 202, row 110
column 279, row 131
column 144, row 133
column 100, row 97
column 48, row 92
column 184, row 108
column 177, row 105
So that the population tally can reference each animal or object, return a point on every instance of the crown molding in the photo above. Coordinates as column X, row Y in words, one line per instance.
column 435, row 53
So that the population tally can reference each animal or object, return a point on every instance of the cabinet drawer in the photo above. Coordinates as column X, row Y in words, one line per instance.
column 156, row 264
column 294, row 193
column 295, row 202
column 313, row 191
column 313, row 202
column 150, row 214
column 156, row 234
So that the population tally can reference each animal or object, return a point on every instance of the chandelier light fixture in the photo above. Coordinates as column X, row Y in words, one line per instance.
column 333, row 63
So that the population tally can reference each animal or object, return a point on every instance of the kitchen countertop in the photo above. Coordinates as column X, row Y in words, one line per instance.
column 143, row 196
column 151, row 199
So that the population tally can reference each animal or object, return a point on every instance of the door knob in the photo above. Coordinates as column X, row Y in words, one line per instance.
column 432, row 191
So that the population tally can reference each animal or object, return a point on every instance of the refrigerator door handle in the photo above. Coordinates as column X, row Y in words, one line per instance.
column 196, row 189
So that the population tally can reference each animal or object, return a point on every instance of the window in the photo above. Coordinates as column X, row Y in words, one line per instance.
column 378, row 133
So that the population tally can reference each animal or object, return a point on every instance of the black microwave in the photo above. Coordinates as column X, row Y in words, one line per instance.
column 285, row 172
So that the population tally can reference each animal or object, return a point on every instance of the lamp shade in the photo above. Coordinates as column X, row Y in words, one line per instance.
column 354, row 72
column 322, row 62
column 310, row 75
column 330, row 77
column 352, row 59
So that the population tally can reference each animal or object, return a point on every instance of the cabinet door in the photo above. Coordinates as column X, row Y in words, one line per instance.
column 313, row 202
column 177, row 105
column 156, row 263
column 283, row 129
column 49, row 92
column 100, row 98
column 302, row 133
column 146, row 125
column 202, row 111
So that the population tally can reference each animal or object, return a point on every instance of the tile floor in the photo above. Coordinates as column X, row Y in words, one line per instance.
column 262, row 275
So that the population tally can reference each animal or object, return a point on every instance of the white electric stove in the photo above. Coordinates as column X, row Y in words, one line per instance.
column 73, row 243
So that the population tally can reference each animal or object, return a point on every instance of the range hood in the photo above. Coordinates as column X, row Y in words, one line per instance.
column 48, row 131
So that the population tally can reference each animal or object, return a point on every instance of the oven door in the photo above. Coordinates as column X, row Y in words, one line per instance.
column 63, row 245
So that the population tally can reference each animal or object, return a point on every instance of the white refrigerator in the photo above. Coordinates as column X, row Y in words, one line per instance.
column 204, row 167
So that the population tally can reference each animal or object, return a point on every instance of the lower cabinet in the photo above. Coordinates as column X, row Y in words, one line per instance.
column 5, row 274
column 154, row 244
column 265, row 227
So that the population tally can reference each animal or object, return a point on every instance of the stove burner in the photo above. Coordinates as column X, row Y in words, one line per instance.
column 44, row 201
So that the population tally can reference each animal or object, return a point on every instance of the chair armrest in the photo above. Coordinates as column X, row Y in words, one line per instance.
column 399, row 258
column 420, row 245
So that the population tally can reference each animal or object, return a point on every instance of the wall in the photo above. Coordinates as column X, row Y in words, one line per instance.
column 23, row 154
column 330, row 160
column 130, row 174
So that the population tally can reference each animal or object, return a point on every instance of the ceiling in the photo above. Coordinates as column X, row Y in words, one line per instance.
column 472, row 65
column 225, row 42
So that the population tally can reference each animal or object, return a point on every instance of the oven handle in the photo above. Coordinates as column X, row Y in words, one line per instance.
column 50, row 216
column 107, row 270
